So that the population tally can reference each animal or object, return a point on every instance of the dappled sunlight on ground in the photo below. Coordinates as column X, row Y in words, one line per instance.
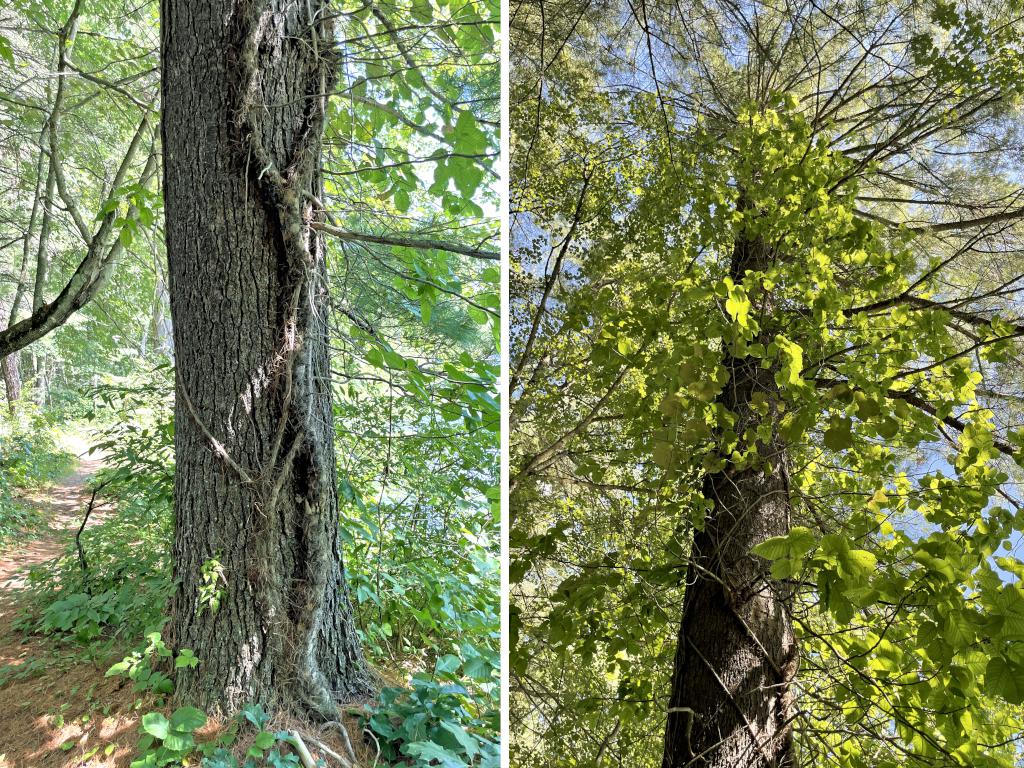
column 67, row 717
column 57, row 710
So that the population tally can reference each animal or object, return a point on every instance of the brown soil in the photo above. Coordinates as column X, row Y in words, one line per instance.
column 63, row 708
column 63, row 712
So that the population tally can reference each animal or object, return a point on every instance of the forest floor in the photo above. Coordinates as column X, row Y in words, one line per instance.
column 57, row 710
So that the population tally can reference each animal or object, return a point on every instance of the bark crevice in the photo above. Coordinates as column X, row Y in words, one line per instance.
column 730, row 703
column 252, row 354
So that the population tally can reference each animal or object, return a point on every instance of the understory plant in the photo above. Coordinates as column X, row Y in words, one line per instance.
column 29, row 457
column 449, row 718
column 425, row 579
column 114, row 579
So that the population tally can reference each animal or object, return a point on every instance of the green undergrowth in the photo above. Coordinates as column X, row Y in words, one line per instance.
column 30, row 458
column 427, row 602
column 115, row 590
column 425, row 582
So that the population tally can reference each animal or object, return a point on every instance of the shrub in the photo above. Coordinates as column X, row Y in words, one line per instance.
column 29, row 458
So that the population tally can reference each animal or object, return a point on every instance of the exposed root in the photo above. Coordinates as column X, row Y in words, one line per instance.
column 373, row 736
column 348, row 741
column 321, row 739
column 331, row 753
column 300, row 747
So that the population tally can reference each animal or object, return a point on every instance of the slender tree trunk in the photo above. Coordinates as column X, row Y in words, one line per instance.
column 160, row 330
column 730, row 705
column 10, row 365
column 255, row 491
column 42, row 374
column 42, row 249
column 11, row 368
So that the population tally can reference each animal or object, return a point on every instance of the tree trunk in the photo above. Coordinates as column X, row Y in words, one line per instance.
column 160, row 323
column 42, row 249
column 255, row 491
column 730, row 705
column 11, row 366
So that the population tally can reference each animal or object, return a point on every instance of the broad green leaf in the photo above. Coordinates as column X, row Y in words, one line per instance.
column 1005, row 679
column 188, row 719
column 428, row 751
column 156, row 725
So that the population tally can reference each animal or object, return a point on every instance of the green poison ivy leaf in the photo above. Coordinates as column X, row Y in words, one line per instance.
column 186, row 659
column 264, row 740
column 428, row 751
column 774, row 548
column 838, row 436
column 857, row 563
column 447, row 664
column 468, row 742
column 467, row 137
column 6, row 52
column 798, row 542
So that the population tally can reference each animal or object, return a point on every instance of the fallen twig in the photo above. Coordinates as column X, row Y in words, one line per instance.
column 300, row 747
column 78, row 535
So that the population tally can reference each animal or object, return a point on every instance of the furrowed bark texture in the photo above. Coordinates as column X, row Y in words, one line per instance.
column 730, row 704
column 255, row 491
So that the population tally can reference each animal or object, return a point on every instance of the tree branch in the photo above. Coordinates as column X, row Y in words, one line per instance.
column 406, row 242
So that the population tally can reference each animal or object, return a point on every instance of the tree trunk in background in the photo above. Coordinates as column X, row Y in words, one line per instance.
column 12, row 379
column 10, row 367
column 730, row 703
column 161, row 331
column 39, row 380
column 39, row 383
column 255, row 489
column 42, row 249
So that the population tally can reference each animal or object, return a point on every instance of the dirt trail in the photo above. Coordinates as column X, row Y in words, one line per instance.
column 62, row 506
column 63, row 708
column 63, row 712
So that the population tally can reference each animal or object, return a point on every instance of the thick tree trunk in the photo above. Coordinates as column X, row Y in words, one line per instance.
column 730, row 705
column 255, row 492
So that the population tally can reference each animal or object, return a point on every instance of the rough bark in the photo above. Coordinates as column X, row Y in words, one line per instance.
column 10, row 367
column 243, row 109
column 730, row 704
